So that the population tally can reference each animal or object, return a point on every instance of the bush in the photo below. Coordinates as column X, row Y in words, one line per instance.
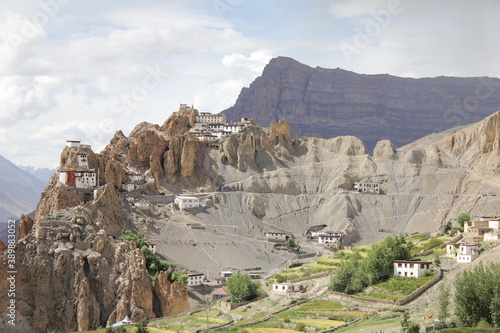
column 432, row 244
column 301, row 326
column 462, row 218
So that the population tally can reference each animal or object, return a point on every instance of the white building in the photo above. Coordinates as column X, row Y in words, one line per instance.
column 151, row 247
column 142, row 205
column 129, row 187
column 367, row 186
column 410, row 268
column 78, row 178
column 83, row 161
column 326, row 239
column 286, row 287
column 209, row 118
column 195, row 279
column 185, row 202
column 276, row 236
column 494, row 224
column 492, row 236
column 468, row 252
column 76, row 144
column 225, row 274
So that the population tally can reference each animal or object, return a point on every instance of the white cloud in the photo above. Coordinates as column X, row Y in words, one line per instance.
column 255, row 63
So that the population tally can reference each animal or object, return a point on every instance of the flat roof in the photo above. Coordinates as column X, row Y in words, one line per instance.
column 187, row 197
column 414, row 261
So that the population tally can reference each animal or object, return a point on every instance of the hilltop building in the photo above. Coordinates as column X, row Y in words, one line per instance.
column 85, row 178
column 81, row 176
column 214, row 127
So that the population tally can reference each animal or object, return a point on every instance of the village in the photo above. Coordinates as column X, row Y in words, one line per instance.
column 210, row 286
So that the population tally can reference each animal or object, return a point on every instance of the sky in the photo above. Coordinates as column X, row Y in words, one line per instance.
column 83, row 69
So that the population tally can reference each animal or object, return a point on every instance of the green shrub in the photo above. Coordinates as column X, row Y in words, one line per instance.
column 432, row 244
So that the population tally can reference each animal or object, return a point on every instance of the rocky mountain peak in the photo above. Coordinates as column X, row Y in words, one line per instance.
column 325, row 103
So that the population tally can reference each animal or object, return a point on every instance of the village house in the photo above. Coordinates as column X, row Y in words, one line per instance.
column 186, row 202
column 367, row 186
column 315, row 230
column 326, row 239
column 494, row 223
column 129, row 187
column 286, row 287
column 142, row 205
column 255, row 275
column 411, row 268
column 151, row 247
column 477, row 228
column 492, row 236
column 220, row 293
column 276, row 236
column 195, row 279
column 468, row 252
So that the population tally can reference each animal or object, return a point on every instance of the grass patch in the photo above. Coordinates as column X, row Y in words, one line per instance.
column 420, row 237
column 269, row 330
column 396, row 287
column 319, row 323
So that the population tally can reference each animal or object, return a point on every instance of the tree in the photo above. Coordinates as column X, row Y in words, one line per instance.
column 291, row 242
column 179, row 276
column 408, row 326
column 476, row 295
column 242, row 288
column 444, row 304
column 462, row 218
column 437, row 260
column 127, row 235
column 141, row 326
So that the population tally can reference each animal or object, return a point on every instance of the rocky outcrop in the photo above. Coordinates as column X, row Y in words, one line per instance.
column 25, row 225
column 324, row 103
column 384, row 149
column 171, row 296
column 3, row 247
column 76, row 278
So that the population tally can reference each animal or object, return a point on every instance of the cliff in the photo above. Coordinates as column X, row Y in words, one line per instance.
column 324, row 103
column 72, row 276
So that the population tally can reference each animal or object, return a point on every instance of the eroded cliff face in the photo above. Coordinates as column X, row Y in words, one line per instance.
column 324, row 103
column 72, row 276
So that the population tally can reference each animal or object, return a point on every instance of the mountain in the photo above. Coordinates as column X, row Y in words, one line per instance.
column 44, row 174
column 76, row 276
column 19, row 191
column 324, row 103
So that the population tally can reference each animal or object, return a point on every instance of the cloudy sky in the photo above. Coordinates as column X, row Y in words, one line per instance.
column 82, row 69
